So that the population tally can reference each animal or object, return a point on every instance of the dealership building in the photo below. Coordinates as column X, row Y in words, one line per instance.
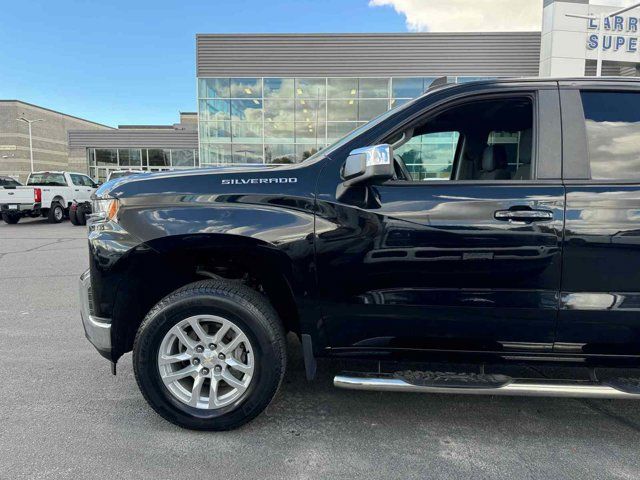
column 137, row 147
column 279, row 98
column 48, row 141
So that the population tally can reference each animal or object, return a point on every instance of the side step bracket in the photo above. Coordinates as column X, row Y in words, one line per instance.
column 480, row 384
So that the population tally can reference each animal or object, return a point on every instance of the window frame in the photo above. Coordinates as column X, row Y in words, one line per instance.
column 432, row 111
column 575, row 141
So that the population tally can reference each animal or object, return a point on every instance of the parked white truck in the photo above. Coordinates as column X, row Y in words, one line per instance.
column 47, row 194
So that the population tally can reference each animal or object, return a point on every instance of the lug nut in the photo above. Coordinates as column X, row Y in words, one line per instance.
column 217, row 369
column 212, row 346
column 199, row 349
column 221, row 356
column 204, row 371
column 196, row 361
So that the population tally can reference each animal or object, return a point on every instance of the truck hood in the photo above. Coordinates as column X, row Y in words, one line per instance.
column 209, row 180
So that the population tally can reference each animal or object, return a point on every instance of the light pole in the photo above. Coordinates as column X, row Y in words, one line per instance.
column 601, row 29
column 30, row 122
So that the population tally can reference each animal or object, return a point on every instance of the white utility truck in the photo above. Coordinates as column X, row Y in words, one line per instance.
column 47, row 194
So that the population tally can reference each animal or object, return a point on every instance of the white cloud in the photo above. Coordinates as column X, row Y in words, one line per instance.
column 467, row 15
column 473, row 15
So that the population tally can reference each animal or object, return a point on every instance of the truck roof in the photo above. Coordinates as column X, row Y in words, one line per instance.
column 520, row 80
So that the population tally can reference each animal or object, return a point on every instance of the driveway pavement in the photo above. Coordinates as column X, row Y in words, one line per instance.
column 62, row 414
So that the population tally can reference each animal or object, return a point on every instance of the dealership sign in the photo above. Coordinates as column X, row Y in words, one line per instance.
column 577, row 33
column 619, row 34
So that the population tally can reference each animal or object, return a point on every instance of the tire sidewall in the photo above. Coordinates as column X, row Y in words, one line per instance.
column 10, row 219
column 55, row 206
column 82, row 215
column 267, row 372
column 73, row 215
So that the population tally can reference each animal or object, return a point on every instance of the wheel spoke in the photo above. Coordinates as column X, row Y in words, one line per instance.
column 197, row 328
column 217, row 338
column 180, row 374
column 184, row 338
column 233, row 344
column 233, row 381
column 213, row 393
column 180, row 357
column 237, row 365
column 195, row 391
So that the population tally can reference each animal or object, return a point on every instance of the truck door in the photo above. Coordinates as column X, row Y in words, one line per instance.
column 600, row 304
column 462, row 251
column 78, row 190
column 88, row 187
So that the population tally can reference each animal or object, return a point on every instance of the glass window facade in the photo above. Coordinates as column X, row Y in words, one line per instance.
column 286, row 120
column 103, row 161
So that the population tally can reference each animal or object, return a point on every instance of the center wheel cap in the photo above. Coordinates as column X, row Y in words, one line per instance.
column 209, row 360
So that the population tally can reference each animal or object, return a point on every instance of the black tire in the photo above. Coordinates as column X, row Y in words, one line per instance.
column 73, row 215
column 250, row 311
column 56, row 213
column 82, row 214
column 10, row 218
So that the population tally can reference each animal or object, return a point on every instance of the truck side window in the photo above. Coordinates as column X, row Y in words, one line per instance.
column 430, row 156
column 77, row 180
column 87, row 182
column 613, row 134
column 484, row 140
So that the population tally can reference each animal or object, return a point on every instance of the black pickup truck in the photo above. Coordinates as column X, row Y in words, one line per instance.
column 521, row 246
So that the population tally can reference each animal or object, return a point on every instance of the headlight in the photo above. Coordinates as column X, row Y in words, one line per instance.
column 103, row 210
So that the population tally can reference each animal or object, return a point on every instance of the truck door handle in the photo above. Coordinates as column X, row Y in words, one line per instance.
column 77, row 189
column 528, row 215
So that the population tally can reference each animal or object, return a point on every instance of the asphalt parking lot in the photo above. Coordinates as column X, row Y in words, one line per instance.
column 62, row 414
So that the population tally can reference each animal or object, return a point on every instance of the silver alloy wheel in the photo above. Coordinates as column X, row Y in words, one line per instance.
column 57, row 212
column 206, row 362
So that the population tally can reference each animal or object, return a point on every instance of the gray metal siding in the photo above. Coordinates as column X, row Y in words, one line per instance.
column 134, row 139
column 402, row 54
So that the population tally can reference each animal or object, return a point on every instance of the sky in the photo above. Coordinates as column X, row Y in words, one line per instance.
column 133, row 62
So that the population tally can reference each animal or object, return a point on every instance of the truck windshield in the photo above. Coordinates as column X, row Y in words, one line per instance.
column 47, row 179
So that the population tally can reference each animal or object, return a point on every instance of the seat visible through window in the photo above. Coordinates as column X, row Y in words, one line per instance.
column 494, row 163
column 487, row 140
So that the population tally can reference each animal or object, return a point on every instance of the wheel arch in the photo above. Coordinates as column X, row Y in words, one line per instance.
column 161, row 266
column 60, row 199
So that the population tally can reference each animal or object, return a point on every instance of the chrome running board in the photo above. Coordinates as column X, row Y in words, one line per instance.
column 512, row 387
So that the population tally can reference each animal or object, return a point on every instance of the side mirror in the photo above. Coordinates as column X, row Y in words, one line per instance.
column 368, row 165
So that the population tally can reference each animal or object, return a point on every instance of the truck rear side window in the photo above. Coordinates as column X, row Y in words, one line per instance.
column 47, row 180
column 613, row 134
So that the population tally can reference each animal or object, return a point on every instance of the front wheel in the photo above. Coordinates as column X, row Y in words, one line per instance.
column 210, row 356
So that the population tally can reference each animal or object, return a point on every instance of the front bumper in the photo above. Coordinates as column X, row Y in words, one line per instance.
column 96, row 329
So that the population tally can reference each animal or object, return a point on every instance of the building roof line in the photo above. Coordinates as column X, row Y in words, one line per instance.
column 146, row 127
column 54, row 111
column 368, row 34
